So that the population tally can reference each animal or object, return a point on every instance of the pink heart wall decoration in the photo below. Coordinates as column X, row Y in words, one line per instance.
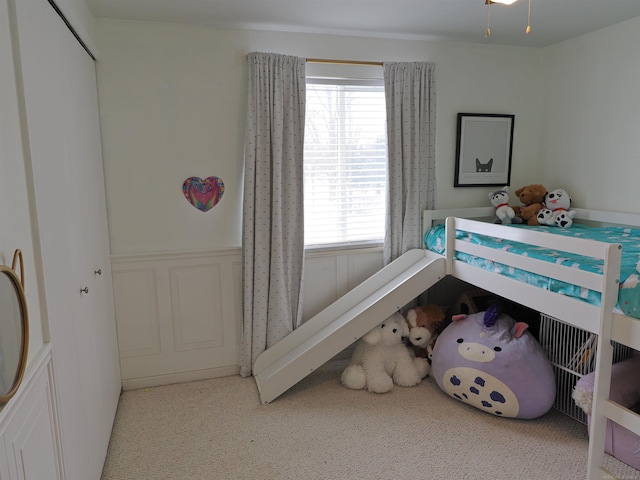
column 203, row 194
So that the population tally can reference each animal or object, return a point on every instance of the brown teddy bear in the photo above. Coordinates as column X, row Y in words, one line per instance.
column 425, row 323
column 532, row 199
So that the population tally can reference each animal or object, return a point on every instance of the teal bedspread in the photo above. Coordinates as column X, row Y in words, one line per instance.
column 629, row 238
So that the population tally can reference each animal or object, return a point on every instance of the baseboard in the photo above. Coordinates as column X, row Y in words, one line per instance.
column 158, row 380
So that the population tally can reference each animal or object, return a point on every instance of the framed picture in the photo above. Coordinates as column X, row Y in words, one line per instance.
column 483, row 150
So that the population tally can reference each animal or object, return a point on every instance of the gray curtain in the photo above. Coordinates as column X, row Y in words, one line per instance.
column 273, row 208
column 411, row 133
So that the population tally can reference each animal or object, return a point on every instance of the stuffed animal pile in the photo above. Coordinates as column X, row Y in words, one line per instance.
column 381, row 359
column 556, row 209
column 540, row 207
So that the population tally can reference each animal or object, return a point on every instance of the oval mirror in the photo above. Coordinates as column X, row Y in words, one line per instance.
column 14, row 328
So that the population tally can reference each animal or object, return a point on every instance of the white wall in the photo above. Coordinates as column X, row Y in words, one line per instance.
column 172, row 101
column 591, row 119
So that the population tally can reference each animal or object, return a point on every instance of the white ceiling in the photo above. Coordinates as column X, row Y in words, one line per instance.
column 452, row 20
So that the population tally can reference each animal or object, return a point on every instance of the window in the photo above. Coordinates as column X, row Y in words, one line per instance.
column 345, row 162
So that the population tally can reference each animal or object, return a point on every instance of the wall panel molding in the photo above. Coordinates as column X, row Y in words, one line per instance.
column 137, row 292
column 177, row 315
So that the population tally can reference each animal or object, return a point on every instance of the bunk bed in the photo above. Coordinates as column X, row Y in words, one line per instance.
column 595, row 308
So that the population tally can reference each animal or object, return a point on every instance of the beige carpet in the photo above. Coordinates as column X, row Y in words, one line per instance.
column 218, row 429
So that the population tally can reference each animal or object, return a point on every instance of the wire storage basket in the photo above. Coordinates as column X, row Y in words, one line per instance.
column 572, row 353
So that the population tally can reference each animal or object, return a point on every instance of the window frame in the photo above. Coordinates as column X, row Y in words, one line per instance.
column 353, row 244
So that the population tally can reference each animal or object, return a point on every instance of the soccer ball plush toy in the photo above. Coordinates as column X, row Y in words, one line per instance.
column 556, row 209
column 504, row 213
column 381, row 359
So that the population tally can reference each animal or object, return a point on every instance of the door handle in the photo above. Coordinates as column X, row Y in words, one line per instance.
column 84, row 290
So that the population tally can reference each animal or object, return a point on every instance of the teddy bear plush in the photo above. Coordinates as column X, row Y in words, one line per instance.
column 425, row 323
column 556, row 209
column 532, row 199
column 500, row 199
column 381, row 359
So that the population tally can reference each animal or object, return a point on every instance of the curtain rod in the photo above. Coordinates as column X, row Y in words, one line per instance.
column 348, row 62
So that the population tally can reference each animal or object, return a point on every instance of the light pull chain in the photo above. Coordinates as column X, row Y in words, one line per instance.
column 528, row 30
column 487, row 32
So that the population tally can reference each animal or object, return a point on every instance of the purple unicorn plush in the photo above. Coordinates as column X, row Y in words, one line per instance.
column 493, row 363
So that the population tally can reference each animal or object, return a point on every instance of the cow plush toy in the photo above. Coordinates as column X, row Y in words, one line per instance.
column 493, row 363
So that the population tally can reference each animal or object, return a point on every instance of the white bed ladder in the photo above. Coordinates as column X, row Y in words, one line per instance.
column 604, row 409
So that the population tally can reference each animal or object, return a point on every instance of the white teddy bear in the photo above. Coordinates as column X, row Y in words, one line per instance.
column 556, row 209
column 381, row 359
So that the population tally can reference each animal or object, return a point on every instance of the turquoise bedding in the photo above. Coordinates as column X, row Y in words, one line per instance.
column 629, row 238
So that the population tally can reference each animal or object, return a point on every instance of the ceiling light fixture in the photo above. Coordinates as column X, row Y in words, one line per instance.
column 488, row 3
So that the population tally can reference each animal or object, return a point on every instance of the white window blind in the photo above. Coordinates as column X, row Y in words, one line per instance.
column 345, row 162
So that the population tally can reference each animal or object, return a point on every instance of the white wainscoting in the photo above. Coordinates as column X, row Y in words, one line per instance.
column 179, row 316
column 328, row 275
column 30, row 447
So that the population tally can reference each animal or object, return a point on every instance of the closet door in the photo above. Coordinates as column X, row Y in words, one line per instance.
column 64, row 139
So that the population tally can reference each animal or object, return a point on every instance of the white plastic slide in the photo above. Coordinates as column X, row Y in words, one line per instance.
column 344, row 321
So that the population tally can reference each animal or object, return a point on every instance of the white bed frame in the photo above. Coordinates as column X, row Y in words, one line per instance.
column 601, row 320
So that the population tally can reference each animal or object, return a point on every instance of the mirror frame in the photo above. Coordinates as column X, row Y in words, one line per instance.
column 18, row 284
